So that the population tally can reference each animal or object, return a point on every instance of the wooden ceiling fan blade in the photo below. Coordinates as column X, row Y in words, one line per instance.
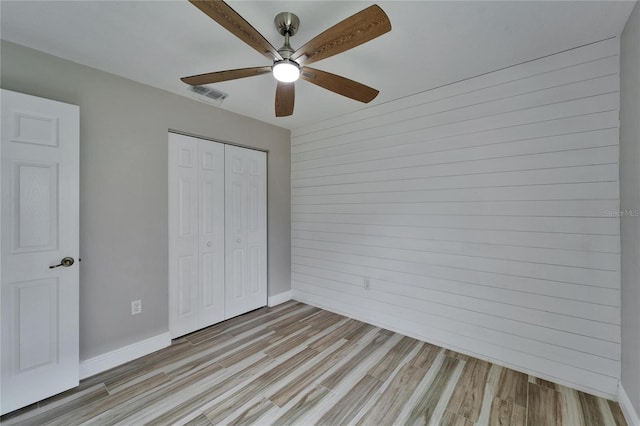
column 217, row 77
column 224, row 15
column 360, row 28
column 285, row 98
column 340, row 85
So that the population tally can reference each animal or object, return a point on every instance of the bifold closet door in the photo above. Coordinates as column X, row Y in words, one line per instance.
column 245, row 230
column 196, row 233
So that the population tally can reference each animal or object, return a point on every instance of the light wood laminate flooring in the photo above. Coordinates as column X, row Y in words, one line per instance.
column 299, row 365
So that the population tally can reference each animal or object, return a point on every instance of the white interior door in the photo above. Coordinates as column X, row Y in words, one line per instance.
column 196, row 233
column 246, row 230
column 39, row 228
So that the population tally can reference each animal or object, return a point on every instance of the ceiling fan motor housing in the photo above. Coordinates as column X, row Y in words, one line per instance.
column 287, row 22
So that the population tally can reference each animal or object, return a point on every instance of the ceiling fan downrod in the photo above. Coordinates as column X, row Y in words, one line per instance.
column 287, row 24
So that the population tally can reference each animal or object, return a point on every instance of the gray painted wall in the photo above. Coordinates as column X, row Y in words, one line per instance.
column 123, row 188
column 630, row 200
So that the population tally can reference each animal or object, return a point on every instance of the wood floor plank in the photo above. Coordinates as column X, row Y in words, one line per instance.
column 383, row 369
column 339, row 333
column 251, row 415
column 618, row 417
column 228, row 350
column 452, row 419
column 519, row 416
column 394, row 397
column 323, row 319
column 570, row 406
column 605, row 411
column 196, row 402
column 360, row 331
column 171, row 357
column 302, row 381
column 473, row 398
column 456, row 355
column 243, row 353
column 544, row 407
column 297, row 364
column 332, row 381
column 132, row 406
column 490, row 391
column 513, row 387
column 463, row 387
column 293, row 319
column 421, row 414
column 303, row 406
column 590, row 409
column 285, row 345
column 349, row 405
column 88, row 411
column 221, row 410
column 266, row 319
column 425, row 357
column 201, row 420
column 240, row 324
column 501, row 412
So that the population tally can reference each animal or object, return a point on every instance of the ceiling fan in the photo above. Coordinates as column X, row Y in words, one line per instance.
column 289, row 64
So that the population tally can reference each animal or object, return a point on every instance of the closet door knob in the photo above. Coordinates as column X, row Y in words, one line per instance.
column 209, row 244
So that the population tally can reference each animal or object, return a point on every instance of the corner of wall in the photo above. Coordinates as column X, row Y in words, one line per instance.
column 629, row 411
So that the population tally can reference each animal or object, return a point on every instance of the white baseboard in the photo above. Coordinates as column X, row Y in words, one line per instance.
column 119, row 356
column 279, row 298
column 629, row 411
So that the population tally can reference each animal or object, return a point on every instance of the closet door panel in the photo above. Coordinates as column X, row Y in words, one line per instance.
column 245, row 181
column 183, row 234
column 211, row 239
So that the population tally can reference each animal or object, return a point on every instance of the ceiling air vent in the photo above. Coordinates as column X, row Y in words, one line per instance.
column 208, row 94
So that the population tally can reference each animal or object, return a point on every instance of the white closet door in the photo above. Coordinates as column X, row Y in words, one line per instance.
column 246, row 230
column 183, row 234
column 211, row 244
column 196, row 234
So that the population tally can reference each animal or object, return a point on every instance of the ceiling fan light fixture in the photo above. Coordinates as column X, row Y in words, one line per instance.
column 286, row 71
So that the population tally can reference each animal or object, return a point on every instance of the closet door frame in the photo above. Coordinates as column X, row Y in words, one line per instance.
column 174, row 328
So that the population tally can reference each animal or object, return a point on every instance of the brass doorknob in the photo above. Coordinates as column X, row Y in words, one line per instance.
column 66, row 262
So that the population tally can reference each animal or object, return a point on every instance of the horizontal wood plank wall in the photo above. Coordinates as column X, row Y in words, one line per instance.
column 482, row 215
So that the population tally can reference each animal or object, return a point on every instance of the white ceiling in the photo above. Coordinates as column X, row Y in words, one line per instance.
column 432, row 43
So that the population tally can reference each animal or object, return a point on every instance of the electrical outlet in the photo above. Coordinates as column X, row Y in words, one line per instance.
column 367, row 284
column 136, row 307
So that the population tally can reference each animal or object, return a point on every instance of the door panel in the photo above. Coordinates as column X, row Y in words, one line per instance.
column 211, row 232
column 183, row 235
column 246, row 238
column 39, row 226
column 35, row 209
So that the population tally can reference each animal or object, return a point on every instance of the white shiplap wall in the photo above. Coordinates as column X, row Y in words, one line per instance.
column 482, row 214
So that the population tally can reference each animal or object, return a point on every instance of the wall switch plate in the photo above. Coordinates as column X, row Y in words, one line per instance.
column 136, row 307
